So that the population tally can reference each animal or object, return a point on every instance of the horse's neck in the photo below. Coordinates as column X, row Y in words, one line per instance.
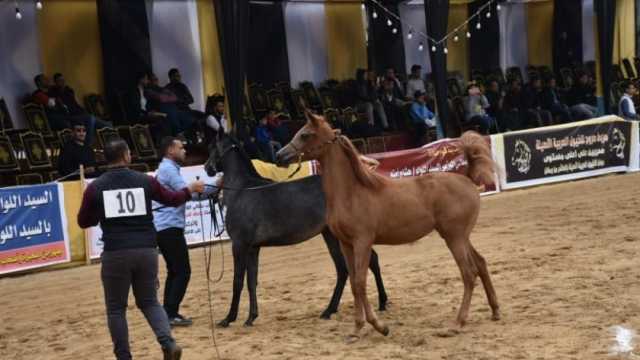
column 338, row 177
column 239, row 172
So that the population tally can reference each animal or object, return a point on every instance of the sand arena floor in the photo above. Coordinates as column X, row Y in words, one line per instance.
column 563, row 259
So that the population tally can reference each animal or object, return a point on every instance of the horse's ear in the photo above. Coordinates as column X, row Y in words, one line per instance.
column 313, row 118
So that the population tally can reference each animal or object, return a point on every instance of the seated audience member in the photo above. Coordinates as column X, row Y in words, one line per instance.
column 368, row 102
column 415, row 82
column 67, row 97
column 532, row 104
column 475, row 106
column 76, row 152
column 393, row 102
column 421, row 117
column 550, row 101
column 278, row 129
column 268, row 147
column 398, row 90
column 495, row 96
column 582, row 98
column 138, row 112
column 165, row 101
column 57, row 114
column 512, row 110
column 216, row 122
column 184, row 97
column 626, row 107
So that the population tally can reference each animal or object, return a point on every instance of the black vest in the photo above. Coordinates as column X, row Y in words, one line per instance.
column 124, row 205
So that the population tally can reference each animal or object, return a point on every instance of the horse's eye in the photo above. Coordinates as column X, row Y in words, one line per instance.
column 305, row 136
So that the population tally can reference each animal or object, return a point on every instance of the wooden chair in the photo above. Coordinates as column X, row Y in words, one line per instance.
column 143, row 142
column 333, row 117
column 65, row 136
column 299, row 103
column 37, row 119
column 8, row 158
column 278, row 102
column 375, row 144
column 5, row 118
column 349, row 117
column 105, row 134
column 311, row 94
column 54, row 175
column 258, row 99
column 329, row 98
column 29, row 179
column 35, row 150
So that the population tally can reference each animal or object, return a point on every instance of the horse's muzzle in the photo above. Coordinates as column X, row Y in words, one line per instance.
column 285, row 156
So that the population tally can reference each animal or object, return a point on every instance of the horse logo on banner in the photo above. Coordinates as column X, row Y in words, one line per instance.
column 618, row 143
column 521, row 158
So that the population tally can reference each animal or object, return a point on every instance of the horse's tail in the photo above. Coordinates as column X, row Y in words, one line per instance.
column 481, row 166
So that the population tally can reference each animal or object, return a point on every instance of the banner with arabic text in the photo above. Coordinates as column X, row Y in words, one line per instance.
column 33, row 231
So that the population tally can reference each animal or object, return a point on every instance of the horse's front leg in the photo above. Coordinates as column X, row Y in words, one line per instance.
column 348, row 252
column 239, row 268
column 252, row 282
column 362, row 257
column 341, row 273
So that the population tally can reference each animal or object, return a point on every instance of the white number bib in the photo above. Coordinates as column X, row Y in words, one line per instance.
column 124, row 203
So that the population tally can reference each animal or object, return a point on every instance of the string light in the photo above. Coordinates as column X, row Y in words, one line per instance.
column 446, row 51
column 468, row 35
column 478, row 25
column 395, row 31
column 18, row 15
column 39, row 5
column 410, row 34
column 374, row 15
column 433, row 48
column 498, row 7
column 362, row 6
column 389, row 22
column 421, row 46
column 488, row 14
column 456, row 38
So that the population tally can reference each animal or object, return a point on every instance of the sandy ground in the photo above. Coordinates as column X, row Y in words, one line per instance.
column 563, row 258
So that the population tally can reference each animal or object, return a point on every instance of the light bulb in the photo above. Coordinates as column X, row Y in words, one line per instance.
column 410, row 35
column 389, row 22
column 488, row 14
column 374, row 15
column 420, row 47
column 478, row 26
column 498, row 7
column 394, row 30
column 39, row 5
column 18, row 15
column 446, row 51
column 433, row 48
column 362, row 6
column 456, row 38
column 468, row 35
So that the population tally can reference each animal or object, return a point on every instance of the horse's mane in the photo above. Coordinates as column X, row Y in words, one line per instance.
column 364, row 175
column 248, row 164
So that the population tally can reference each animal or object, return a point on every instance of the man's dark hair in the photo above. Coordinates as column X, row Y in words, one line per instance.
column 172, row 72
column 166, row 143
column 115, row 149
column 38, row 79
column 626, row 84
column 416, row 67
column 57, row 76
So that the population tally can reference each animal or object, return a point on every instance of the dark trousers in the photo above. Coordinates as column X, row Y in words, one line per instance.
column 137, row 269
column 173, row 247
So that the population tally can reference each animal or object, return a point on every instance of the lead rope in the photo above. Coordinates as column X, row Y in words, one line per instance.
column 207, row 265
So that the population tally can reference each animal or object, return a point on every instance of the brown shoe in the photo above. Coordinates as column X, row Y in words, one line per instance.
column 173, row 352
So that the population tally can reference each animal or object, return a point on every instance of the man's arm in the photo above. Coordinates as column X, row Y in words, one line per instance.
column 168, row 197
column 88, row 214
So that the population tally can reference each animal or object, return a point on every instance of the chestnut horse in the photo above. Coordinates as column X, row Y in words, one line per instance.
column 365, row 208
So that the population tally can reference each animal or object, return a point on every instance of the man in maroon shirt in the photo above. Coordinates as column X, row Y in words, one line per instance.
column 120, row 201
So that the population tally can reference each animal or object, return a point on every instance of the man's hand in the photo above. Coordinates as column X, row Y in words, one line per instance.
column 196, row 186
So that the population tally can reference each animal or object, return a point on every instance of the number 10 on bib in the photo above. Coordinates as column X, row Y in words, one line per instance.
column 124, row 203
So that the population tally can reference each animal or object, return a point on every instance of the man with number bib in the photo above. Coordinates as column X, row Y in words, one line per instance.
column 120, row 200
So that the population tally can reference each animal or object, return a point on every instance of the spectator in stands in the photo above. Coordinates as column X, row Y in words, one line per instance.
column 512, row 110
column 582, row 98
column 217, row 121
column 67, row 97
column 626, row 107
column 398, row 90
column 367, row 91
column 166, row 102
column 54, row 108
column 550, row 101
column 279, row 130
column 415, row 81
column 421, row 117
column 76, row 152
column 267, row 145
column 138, row 112
column 475, row 109
column 532, row 105
column 495, row 97
column 393, row 102
column 184, row 98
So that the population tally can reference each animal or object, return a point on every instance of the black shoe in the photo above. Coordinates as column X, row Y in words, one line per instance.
column 173, row 352
column 180, row 320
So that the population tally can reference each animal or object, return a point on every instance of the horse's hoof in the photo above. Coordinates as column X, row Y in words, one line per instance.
column 224, row 323
column 495, row 316
column 351, row 339
column 248, row 323
column 326, row 315
column 383, row 307
column 385, row 331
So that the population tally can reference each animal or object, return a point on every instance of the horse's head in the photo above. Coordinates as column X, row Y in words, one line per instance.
column 309, row 142
column 224, row 143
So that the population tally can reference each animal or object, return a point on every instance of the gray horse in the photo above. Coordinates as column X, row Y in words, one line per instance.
column 274, row 214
